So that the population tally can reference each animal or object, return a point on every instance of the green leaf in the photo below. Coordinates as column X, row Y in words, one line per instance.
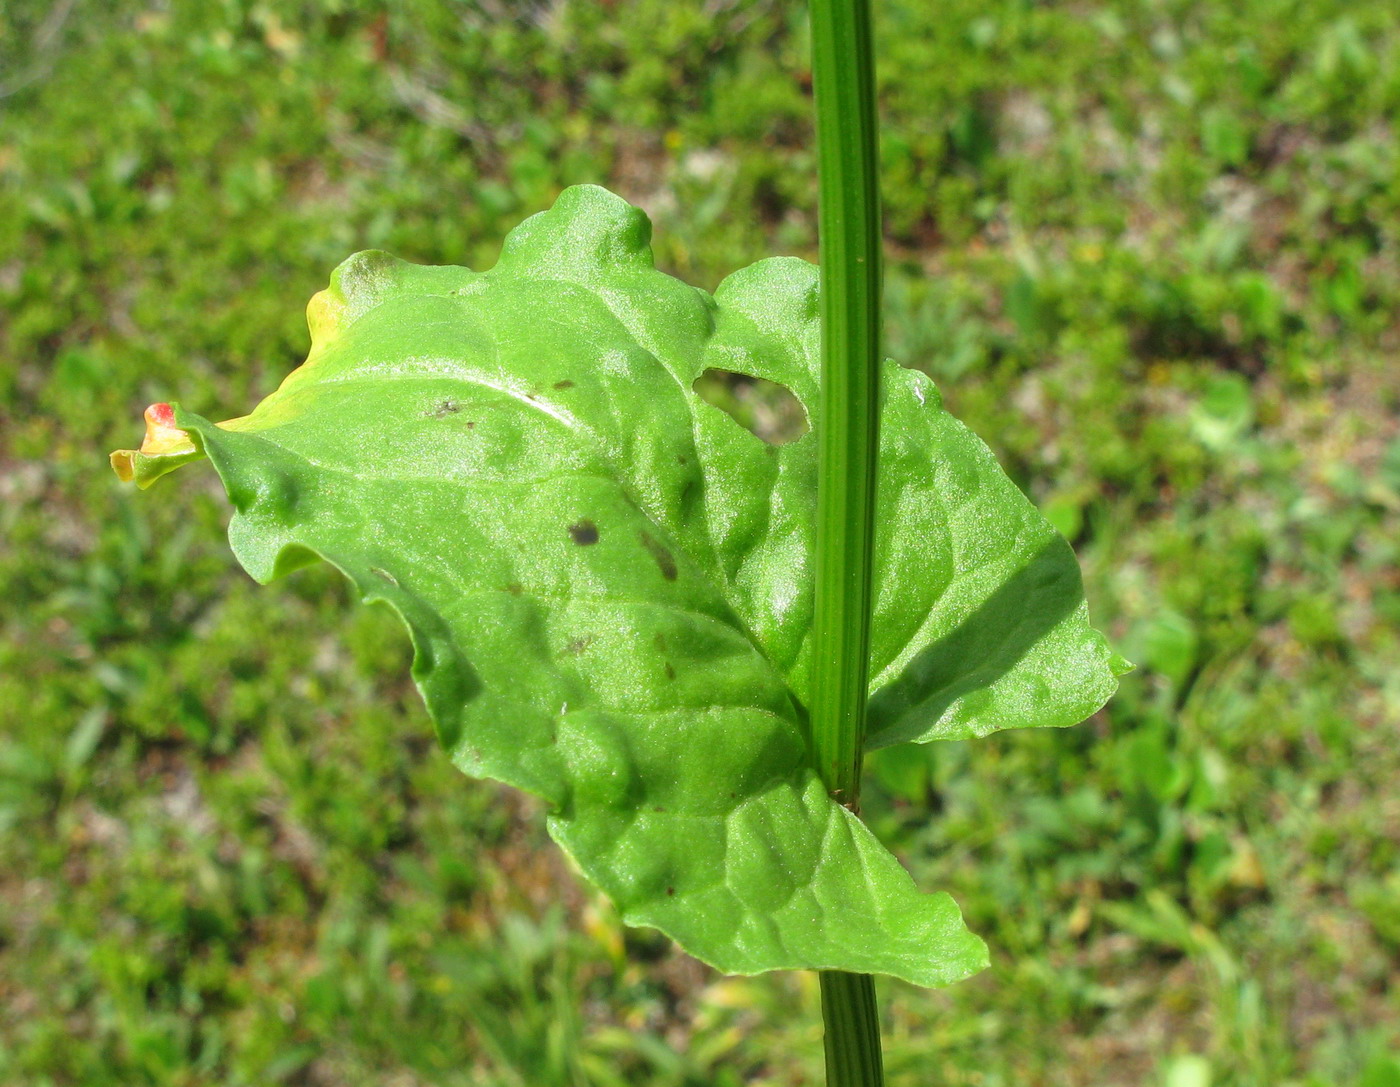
column 608, row 580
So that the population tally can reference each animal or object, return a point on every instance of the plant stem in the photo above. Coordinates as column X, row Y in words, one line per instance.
column 852, row 1030
column 848, row 434
column 848, row 441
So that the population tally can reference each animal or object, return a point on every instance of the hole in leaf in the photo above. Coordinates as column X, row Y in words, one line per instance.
column 762, row 407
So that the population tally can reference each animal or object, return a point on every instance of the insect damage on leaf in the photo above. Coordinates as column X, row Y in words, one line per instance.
column 583, row 533
column 665, row 561
column 644, row 668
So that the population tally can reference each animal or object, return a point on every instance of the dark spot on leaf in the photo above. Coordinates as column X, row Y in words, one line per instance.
column 680, row 459
column 664, row 559
column 670, row 671
column 565, row 384
column 661, row 810
column 670, row 890
column 390, row 578
column 584, row 533
column 515, row 588
column 577, row 646
column 447, row 407
column 660, row 640
column 471, row 423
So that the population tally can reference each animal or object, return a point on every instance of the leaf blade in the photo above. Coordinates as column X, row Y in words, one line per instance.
column 607, row 580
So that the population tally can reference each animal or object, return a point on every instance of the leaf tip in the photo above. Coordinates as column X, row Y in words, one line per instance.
column 121, row 460
column 164, row 447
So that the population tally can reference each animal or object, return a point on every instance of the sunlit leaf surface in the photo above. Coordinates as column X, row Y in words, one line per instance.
column 608, row 580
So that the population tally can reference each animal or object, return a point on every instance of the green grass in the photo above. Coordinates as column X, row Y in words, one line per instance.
column 1151, row 252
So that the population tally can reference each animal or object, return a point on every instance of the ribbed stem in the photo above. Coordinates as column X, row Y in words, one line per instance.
column 852, row 1031
column 848, row 441
column 848, row 435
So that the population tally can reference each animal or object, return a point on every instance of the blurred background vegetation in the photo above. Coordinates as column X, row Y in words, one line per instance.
column 1150, row 249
